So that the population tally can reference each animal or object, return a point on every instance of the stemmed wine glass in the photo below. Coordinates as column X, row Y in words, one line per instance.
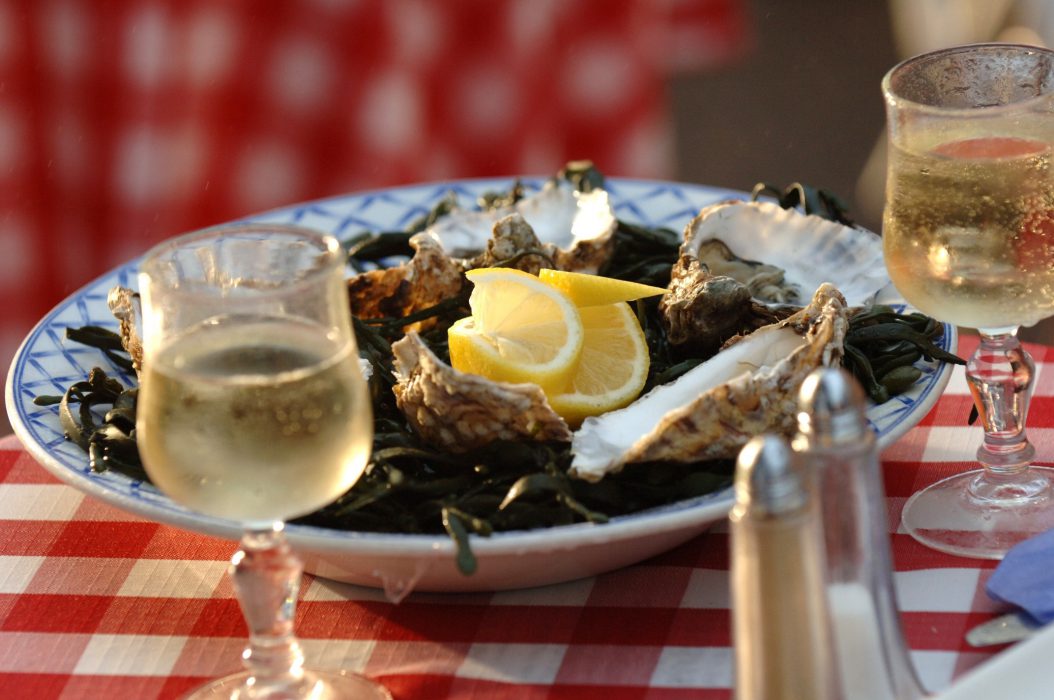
column 969, row 239
column 253, row 407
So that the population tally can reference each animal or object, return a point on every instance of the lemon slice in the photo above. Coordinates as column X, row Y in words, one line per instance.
column 612, row 367
column 593, row 290
column 520, row 330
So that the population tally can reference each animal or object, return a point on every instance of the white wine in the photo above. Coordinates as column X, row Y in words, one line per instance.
column 254, row 419
column 969, row 230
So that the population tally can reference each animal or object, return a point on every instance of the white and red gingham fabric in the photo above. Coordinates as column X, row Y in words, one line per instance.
column 123, row 122
column 95, row 603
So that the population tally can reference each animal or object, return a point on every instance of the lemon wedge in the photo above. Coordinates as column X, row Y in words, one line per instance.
column 521, row 330
column 612, row 367
column 593, row 290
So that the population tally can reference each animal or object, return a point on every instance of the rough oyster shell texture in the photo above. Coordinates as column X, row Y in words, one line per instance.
column 124, row 305
column 429, row 277
column 710, row 412
column 459, row 411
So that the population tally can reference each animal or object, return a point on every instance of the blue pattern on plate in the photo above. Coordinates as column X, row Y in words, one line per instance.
column 47, row 363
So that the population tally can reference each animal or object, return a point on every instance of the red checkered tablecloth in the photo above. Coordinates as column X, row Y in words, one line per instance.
column 96, row 603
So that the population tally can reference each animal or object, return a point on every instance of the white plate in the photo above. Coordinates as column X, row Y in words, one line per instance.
column 47, row 363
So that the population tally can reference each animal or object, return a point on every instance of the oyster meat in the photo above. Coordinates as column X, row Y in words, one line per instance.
column 762, row 281
column 702, row 310
column 783, row 255
column 459, row 411
column 710, row 412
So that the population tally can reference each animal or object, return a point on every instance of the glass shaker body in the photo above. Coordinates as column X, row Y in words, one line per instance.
column 840, row 449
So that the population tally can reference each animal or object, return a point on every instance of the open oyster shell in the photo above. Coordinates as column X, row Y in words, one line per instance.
column 710, row 412
column 459, row 411
column 576, row 227
column 809, row 250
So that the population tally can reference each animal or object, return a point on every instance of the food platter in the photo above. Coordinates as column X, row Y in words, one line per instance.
column 47, row 363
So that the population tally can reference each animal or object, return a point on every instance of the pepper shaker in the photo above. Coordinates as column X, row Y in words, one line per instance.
column 839, row 446
column 780, row 625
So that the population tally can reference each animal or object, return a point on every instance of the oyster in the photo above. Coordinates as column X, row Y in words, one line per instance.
column 702, row 310
column 460, row 411
column 762, row 281
column 791, row 266
column 429, row 277
column 513, row 237
column 710, row 412
column 124, row 305
column 574, row 227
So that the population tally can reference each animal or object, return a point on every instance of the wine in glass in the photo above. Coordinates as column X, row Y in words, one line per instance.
column 253, row 407
column 968, row 234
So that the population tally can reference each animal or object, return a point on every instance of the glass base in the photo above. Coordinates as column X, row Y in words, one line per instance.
column 975, row 515
column 316, row 686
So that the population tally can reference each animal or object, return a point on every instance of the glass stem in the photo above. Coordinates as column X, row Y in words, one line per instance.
column 266, row 577
column 1001, row 374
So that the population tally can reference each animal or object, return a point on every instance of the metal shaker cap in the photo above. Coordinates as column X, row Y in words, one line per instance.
column 769, row 479
column 832, row 408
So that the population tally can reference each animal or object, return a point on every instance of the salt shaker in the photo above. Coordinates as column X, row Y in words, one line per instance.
column 780, row 625
column 837, row 443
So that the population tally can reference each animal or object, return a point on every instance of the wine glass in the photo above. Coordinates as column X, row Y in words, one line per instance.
column 968, row 234
column 253, row 407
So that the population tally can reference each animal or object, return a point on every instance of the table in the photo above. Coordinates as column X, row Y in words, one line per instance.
column 98, row 603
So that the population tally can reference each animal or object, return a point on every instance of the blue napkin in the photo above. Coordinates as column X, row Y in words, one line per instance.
column 1025, row 577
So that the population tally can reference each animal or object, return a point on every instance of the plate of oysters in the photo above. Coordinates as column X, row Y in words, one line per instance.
column 759, row 294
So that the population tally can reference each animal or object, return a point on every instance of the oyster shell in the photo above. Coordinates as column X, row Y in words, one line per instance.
column 576, row 227
column 429, row 277
column 460, row 411
column 819, row 251
column 124, row 305
column 513, row 236
column 710, row 412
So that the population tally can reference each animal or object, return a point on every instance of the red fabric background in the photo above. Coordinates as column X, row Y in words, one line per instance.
column 123, row 122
